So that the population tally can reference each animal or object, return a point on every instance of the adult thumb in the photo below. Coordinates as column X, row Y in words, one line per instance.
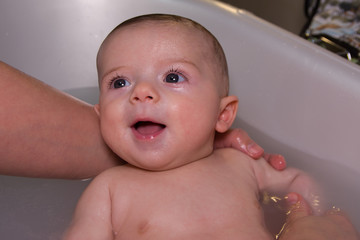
column 297, row 207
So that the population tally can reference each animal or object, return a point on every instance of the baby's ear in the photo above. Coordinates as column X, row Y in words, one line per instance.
column 97, row 109
column 228, row 108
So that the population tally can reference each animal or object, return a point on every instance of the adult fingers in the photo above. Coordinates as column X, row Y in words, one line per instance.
column 277, row 161
column 240, row 140
column 298, row 207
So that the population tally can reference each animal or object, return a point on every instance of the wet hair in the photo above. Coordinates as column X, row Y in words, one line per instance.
column 218, row 51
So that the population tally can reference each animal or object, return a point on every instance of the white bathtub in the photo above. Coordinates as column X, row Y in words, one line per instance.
column 295, row 98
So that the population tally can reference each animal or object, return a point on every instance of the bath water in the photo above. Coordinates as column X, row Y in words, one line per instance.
column 339, row 182
column 340, row 190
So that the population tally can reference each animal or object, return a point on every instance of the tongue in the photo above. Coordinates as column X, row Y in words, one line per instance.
column 148, row 128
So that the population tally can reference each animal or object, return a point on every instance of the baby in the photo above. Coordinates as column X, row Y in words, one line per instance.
column 164, row 93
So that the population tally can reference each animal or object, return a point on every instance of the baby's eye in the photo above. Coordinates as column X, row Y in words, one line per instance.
column 119, row 83
column 174, row 78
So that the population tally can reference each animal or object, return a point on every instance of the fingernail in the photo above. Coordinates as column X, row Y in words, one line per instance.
column 255, row 149
column 292, row 198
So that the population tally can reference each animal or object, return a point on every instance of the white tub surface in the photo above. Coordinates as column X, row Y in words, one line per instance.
column 295, row 98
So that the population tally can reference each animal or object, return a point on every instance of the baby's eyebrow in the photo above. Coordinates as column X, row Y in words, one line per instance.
column 111, row 71
column 183, row 61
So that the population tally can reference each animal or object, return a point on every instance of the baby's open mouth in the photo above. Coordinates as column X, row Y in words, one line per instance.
column 148, row 128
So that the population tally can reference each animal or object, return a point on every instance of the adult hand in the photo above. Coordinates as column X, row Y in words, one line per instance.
column 239, row 139
column 302, row 225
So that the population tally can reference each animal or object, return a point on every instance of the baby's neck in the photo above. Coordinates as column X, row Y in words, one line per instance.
column 181, row 161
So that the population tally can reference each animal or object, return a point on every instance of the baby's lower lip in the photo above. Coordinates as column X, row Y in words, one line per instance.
column 147, row 130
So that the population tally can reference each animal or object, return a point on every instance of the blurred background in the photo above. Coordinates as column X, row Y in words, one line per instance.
column 288, row 14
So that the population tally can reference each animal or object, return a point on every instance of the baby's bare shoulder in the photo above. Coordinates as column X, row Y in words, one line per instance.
column 231, row 155
column 233, row 161
column 118, row 175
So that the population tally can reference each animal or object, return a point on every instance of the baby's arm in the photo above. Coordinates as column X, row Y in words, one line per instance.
column 288, row 180
column 92, row 217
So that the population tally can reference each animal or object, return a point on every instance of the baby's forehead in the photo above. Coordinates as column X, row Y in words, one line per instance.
column 171, row 31
column 177, row 30
column 182, row 28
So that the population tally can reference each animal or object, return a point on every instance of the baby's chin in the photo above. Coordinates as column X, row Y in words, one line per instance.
column 157, row 165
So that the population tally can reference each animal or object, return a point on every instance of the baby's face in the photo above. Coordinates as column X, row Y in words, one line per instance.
column 159, row 100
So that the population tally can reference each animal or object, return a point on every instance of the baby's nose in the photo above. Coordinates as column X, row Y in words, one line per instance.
column 144, row 92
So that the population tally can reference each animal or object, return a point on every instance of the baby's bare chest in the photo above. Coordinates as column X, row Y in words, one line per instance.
column 189, row 208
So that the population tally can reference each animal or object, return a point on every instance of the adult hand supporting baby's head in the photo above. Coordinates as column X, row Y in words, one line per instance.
column 240, row 140
column 301, row 224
